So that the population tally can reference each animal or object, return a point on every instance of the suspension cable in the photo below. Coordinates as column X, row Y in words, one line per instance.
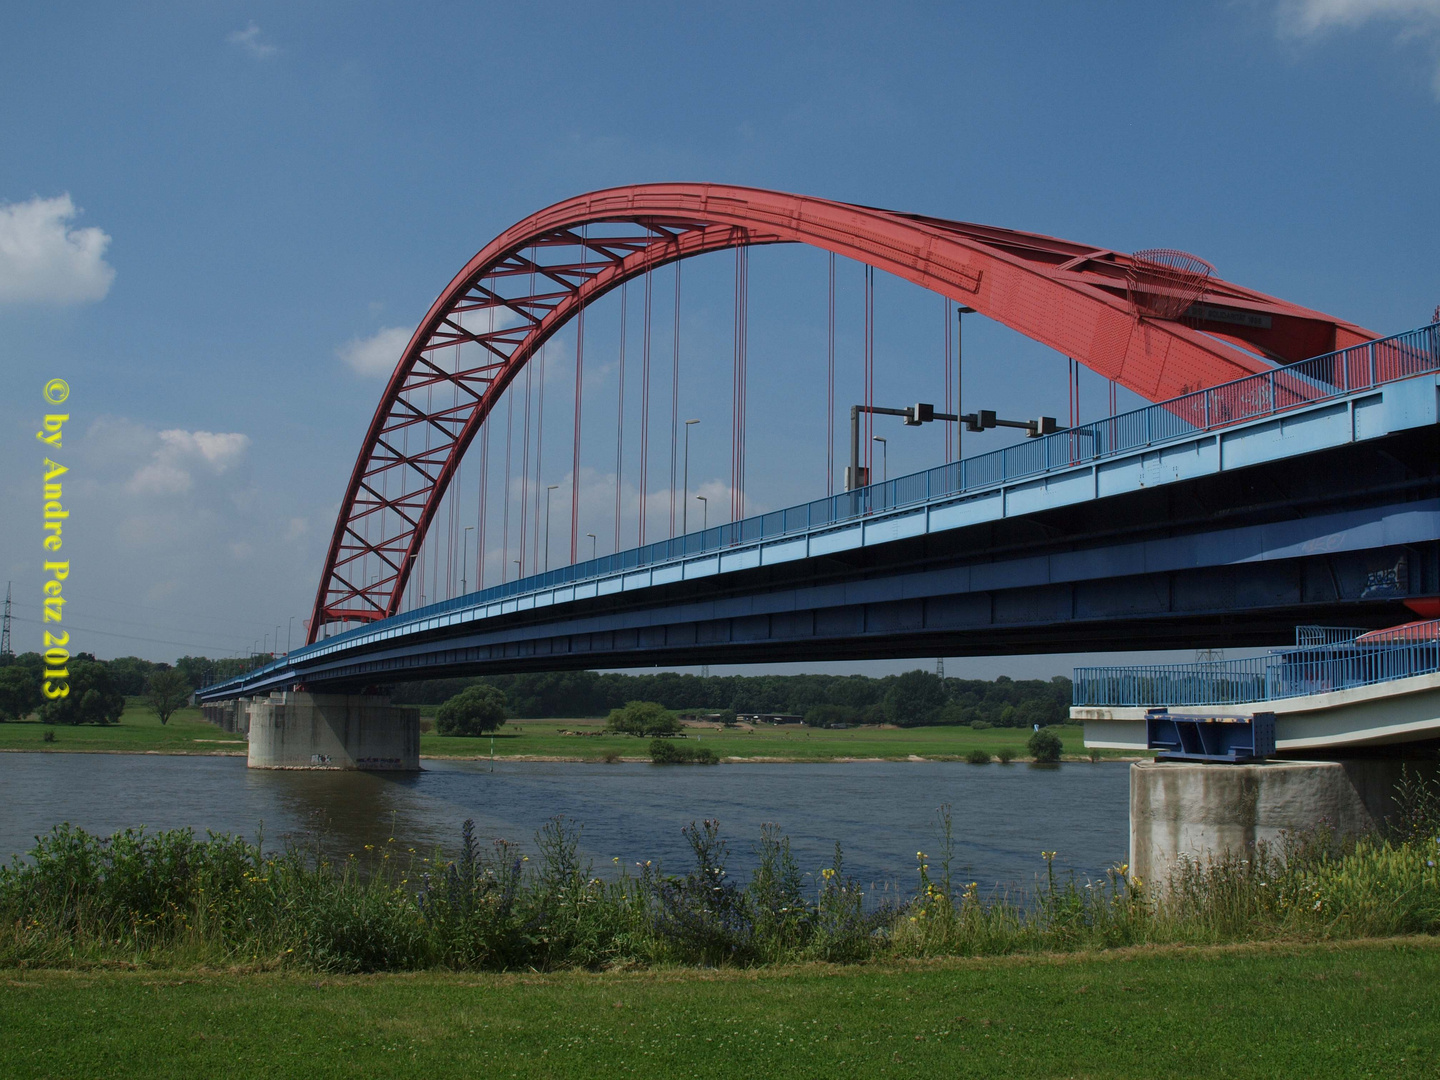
column 738, row 409
column 505, row 528
column 484, row 475
column 644, row 413
column 949, row 382
column 675, row 391
column 869, row 425
column 620, row 410
column 535, row 563
column 525, row 473
column 830, row 385
column 575, row 455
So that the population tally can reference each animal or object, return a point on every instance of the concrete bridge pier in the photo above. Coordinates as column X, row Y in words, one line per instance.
column 1201, row 811
column 294, row 729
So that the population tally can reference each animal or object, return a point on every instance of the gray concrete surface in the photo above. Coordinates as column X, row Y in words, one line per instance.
column 299, row 730
column 1203, row 810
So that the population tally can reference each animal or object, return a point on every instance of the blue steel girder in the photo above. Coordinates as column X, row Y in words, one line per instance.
column 970, row 580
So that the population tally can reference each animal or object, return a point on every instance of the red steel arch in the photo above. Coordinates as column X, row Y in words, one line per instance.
column 534, row 277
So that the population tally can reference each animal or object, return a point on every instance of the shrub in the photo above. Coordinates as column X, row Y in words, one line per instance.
column 643, row 719
column 825, row 715
column 475, row 711
column 978, row 757
column 93, row 698
column 19, row 692
column 981, row 725
column 1005, row 754
column 665, row 752
column 1045, row 746
column 703, row 917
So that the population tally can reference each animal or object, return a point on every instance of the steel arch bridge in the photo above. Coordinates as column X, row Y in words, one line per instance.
column 543, row 271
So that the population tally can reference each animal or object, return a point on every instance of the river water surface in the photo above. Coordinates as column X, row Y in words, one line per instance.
column 881, row 812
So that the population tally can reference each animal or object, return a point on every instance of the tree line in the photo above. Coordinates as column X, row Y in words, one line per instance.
column 909, row 700
column 99, row 689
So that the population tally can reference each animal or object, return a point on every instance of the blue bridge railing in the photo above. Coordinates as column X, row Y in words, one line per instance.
column 1317, row 669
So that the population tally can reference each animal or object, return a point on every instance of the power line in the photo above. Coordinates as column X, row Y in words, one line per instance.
column 134, row 637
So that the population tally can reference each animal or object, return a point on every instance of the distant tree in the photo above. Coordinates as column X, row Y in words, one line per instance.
column 643, row 718
column 914, row 698
column 19, row 692
column 166, row 691
column 1045, row 746
column 130, row 674
column 825, row 715
column 475, row 711
column 92, row 699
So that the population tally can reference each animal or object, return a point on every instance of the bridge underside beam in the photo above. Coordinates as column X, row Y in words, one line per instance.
column 1228, row 560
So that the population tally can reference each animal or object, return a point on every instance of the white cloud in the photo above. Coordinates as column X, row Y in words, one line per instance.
column 43, row 260
column 248, row 40
column 181, row 454
column 377, row 354
column 1415, row 19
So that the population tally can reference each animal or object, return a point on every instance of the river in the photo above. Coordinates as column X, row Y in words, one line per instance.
column 881, row 812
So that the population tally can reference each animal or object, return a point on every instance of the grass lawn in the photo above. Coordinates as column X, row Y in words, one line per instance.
column 1358, row 1010
column 139, row 731
column 542, row 738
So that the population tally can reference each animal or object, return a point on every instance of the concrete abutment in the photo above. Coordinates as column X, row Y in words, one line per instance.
column 294, row 729
column 1202, row 811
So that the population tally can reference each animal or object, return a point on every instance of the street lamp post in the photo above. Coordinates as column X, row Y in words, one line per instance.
column 704, row 521
column 548, row 489
column 685, row 492
column 288, row 631
column 277, row 637
column 465, row 558
column 884, row 458
column 592, row 545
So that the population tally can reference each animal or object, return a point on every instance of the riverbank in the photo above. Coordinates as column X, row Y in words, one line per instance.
column 1348, row 1010
column 140, row 732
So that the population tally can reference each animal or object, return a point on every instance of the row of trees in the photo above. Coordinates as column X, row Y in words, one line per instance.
column 97, row 689
column 911, row 699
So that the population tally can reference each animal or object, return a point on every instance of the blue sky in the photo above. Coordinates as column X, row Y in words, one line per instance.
column 205, row 209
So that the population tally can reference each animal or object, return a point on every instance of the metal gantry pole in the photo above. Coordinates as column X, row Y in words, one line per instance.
column 548, row 489
column 685, row 494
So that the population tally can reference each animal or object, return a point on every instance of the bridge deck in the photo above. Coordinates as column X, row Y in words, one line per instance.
column 1285, row 414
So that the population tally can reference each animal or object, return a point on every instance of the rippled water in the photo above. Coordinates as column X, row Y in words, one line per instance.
column 882, row 812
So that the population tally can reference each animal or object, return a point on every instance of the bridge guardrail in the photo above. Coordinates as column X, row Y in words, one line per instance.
column 1316, row 669
column 1336, row 374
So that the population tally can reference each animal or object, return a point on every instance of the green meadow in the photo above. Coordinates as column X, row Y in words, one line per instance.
column 1363, row 1009
column 139, row 732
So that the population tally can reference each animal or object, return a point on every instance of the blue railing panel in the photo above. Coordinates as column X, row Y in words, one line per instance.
column 1317, row 669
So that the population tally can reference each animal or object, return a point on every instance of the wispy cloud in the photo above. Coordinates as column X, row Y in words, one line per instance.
column 249, row 41
column 377, row 354
column 1414, row 20
column 44, row 260
column 180, row 454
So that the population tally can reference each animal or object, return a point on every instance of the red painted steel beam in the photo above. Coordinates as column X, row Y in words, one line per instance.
column 1069, row 296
